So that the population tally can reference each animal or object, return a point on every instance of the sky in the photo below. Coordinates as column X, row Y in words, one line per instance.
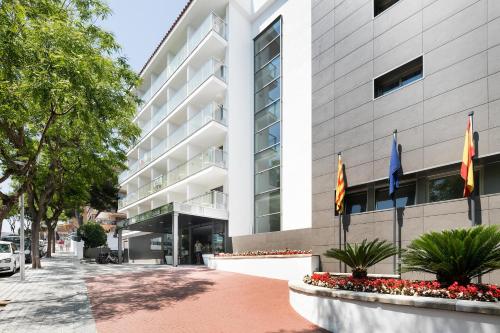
column 139, row 25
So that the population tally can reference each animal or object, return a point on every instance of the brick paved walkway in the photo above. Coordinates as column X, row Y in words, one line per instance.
column 52, row 299
column 68, row 297
column 192, row 299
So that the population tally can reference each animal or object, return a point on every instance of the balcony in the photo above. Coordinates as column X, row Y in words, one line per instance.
column 212, row 112
column 211, row 68
column 211, row 157
column 211, row 23
column 212, row 199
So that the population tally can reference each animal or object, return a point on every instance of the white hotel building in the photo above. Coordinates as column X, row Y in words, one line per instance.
column 225, row 151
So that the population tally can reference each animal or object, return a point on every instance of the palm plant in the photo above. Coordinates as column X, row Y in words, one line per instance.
column 361, row 256
column 455, row 255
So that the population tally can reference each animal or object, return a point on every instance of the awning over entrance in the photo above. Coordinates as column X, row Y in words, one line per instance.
column 183, row 222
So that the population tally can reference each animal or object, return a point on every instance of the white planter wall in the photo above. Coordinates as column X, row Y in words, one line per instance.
column 345, row 316
column 275, row 267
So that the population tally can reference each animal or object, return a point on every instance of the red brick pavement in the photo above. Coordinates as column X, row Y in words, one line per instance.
column 192, row 300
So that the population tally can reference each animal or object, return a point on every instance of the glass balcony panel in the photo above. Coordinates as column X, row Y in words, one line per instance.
column 211, row 112
column 211, row 157
column 267, row 203
column 268, row 53
column 269, row 115
column 269, row 35
column 267, row 180
column 268, row 223
column 267, row 159
column 267, row 95
column 267, row 74
column 268, row 137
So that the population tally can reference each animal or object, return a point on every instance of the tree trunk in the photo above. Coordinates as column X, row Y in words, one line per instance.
column 54, row 238
column 35, row 251
column 50, row 234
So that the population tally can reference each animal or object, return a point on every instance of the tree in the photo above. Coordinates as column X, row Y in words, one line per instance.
column 92, row 234
column 104, row 195
column 66, row 98
column 59, row 71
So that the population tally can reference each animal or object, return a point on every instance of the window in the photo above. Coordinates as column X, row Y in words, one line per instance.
column 449, row 187
column 405, row 196
column 355, row 202
column 399, row 77
column 381, row 5
column 267, row 126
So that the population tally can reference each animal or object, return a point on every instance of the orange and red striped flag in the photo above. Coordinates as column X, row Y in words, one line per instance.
column 467, row 170
column 340, row 191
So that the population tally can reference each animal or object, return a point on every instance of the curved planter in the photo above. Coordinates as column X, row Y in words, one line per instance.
column 342, row 311
column 283, row 267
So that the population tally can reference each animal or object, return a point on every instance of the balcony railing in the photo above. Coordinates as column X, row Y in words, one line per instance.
column 211, row 67
column 210, row 157
column 212, row 112
column 212, row 199
column 211, row 23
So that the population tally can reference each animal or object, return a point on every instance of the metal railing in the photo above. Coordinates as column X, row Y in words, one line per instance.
column 211, row 112
column 211, row 23
column 208, row 158
column 211, row 67
column 212, row 199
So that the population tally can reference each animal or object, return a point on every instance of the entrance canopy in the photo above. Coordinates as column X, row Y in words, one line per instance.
column 182, row 221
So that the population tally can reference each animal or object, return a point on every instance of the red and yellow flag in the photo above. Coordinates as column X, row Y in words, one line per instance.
column 340, row 191
column 467, row 170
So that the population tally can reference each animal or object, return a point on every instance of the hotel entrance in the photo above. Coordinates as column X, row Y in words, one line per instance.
column 210, row 233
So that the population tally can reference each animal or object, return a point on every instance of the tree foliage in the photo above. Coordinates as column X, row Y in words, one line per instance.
column 66, row 104
column 92, row 234
column 455, row 255
column 104, row 195
column 64, row 90
column 362, row 256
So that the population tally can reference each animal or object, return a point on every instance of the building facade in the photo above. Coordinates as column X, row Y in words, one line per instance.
column 225, row 148
column 419, row 67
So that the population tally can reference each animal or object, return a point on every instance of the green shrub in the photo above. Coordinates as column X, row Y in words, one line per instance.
column 93, row 234
column 455, row 255
column 363, row 255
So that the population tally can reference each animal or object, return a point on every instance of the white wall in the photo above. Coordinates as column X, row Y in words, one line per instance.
column 239, row 60
column 296, row 108
column 293, row 268
column 346, row 316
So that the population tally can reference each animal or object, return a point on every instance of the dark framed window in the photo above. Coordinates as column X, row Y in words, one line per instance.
column 399, row 77
column 380, row 6
column 449, row 187
column 405, row 196
column 356, row 202
column 267, row 127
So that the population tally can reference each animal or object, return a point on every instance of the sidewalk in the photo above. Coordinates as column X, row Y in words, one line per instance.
column 52, row 299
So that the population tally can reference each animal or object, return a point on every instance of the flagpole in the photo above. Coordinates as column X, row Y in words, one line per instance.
column 340, row 224
column 394, row 214
column 472, row 195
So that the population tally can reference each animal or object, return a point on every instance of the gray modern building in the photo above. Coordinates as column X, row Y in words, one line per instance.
column 418, row 67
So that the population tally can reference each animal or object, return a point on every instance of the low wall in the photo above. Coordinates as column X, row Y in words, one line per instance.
column 346, row 311
column 283, row 267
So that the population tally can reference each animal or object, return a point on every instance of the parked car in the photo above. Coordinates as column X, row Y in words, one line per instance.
column 17, row 241
column 9, row 257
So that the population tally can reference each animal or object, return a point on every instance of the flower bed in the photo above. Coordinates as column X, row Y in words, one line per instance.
column 265, row 253
column 474, row 292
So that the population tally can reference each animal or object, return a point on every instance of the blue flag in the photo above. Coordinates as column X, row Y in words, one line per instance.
column 394, row 168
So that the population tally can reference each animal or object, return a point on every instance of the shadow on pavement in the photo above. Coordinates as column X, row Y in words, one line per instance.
column 114, row 296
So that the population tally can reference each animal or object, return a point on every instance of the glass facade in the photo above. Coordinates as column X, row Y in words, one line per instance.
column 267, row 126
